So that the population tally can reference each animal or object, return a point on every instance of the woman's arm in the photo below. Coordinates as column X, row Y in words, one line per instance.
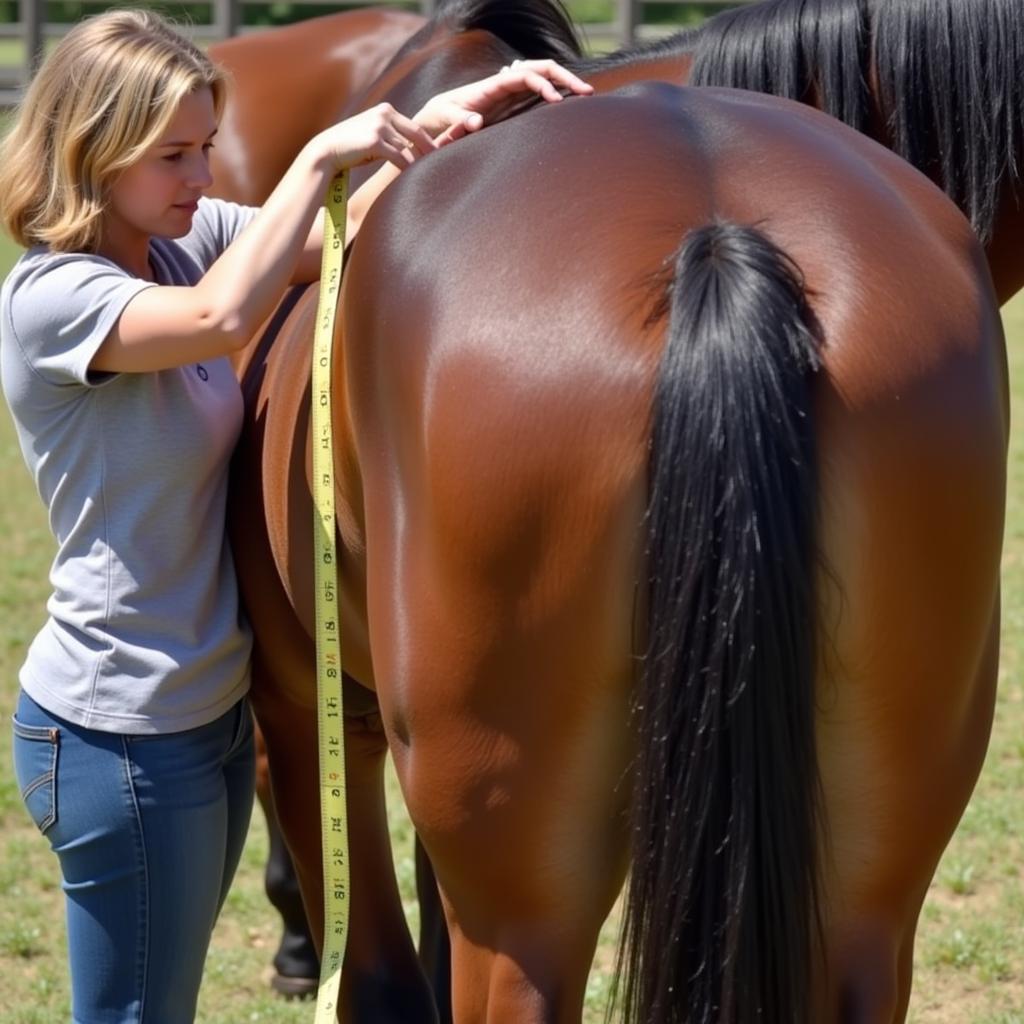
column 168, row 326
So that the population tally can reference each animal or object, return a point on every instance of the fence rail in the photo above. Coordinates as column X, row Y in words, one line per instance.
column 226, row 20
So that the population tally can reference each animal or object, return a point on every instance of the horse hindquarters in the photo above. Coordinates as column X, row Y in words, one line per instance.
column 504, row 489
column 722, row 897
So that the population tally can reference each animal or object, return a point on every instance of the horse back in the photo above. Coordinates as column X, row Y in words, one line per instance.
column 532, row 262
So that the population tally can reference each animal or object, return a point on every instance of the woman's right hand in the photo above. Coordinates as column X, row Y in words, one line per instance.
column 380, row 133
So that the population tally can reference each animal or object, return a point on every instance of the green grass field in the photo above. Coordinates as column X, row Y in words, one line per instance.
column 970, row 952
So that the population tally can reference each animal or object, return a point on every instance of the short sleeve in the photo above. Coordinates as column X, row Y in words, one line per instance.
column 60, row 307
column 217, row 223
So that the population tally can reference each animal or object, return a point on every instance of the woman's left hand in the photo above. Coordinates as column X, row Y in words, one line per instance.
column 453, row 114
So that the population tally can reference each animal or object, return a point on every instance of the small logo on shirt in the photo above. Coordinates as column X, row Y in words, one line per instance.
column 202, row 371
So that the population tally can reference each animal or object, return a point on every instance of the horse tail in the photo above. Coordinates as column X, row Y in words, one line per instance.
column 537, row 29
column 721, row 916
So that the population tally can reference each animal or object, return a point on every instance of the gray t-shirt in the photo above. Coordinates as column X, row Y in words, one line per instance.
column 145, row 633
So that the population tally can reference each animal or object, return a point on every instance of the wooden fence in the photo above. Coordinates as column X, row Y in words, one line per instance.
column 226, row 19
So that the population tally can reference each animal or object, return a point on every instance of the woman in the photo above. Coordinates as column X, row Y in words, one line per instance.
column 132, row 736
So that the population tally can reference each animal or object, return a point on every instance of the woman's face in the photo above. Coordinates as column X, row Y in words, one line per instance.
column 158, row 195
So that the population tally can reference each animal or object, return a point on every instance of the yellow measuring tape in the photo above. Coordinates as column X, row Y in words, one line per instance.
column 330, row 721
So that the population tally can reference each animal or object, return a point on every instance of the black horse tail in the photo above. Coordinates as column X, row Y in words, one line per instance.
column 721, row 919
column 537, row 29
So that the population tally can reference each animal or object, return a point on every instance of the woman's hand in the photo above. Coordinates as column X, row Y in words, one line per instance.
column 380, row 133
column 453, row 114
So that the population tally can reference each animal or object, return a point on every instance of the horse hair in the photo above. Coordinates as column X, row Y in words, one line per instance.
column 807, row 51
column 950, row 78
column 721, row 914
column 681, row 42
column 957, row 114
column 534, row 28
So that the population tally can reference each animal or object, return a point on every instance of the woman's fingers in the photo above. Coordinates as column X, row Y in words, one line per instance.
column 394, row 153
column 543, row 77
column 452, row 134
column 399, row 155
column 534, row 72
column 563, row 76
column 413, row 134
column 381, row 133
column 540, row 85
column 453, row 114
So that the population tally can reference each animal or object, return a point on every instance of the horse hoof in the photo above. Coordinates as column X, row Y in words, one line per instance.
column 294, row 988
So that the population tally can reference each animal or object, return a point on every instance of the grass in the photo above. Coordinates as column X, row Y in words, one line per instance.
column 969, row 963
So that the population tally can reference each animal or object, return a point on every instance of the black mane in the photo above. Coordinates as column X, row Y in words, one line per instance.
column 680, row 42
column 811, row 50
column 535, row 28
column 950, row 77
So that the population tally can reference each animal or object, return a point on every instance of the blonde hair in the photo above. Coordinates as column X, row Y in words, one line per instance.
column 104, row 95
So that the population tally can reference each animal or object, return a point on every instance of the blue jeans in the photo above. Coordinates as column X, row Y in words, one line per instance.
column 148, row 830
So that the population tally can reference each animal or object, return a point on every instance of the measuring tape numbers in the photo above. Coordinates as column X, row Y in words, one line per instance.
column 330, row 720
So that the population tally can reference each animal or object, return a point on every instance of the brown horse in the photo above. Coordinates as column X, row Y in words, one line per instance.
column 290, row 83
column 815, row 599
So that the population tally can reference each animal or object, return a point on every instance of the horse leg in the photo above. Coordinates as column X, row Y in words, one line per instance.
column 435, row 946
column 296, row 963
column 528, row 876
column 511, row 743
column 885, row 847
column 529, row 851
column 912, row 527
column 382, row 979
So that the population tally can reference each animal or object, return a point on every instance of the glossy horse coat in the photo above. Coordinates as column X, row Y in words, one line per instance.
column 505, row 352
column 290, row 83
